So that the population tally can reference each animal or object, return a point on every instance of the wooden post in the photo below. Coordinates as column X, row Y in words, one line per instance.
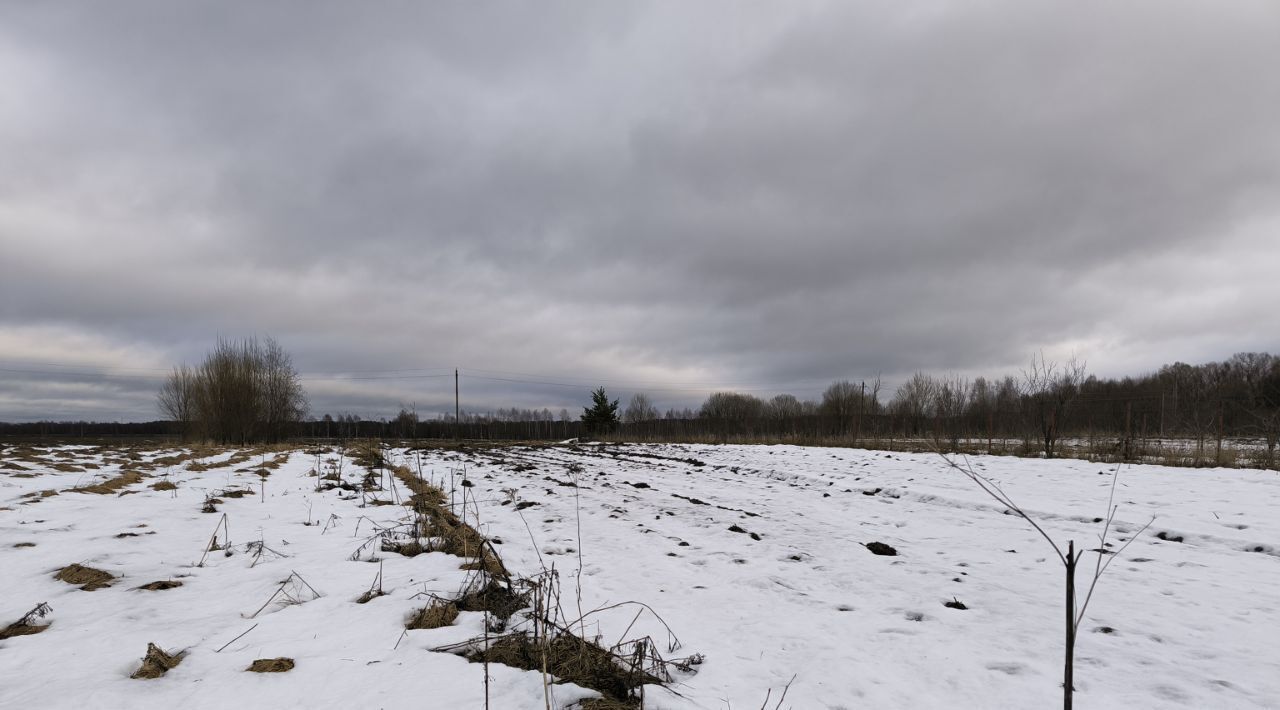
column 457, row 410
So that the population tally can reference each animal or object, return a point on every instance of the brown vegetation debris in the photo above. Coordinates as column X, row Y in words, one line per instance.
column 156, row 663
column 271, row 665
column 27, row 625
column 433, row 616
column 161, row 585
column 24, row 544
column 88, row 578
column 113, row 485
column 164, row 486
column 437, row 521
column 500, row 601
column 18, row 628
column 66, row 467
column 571, row 660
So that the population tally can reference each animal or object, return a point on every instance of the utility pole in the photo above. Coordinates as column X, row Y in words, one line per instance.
column 457, row 411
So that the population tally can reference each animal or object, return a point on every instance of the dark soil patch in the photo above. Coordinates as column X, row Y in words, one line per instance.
column 879, row 548
column 161, row 585
column 156, row 663
column 955, row 604
column 88, row 578
column 1169, row 536
column 271, row 665
column 235, row 493
column 25, row 544
column 525, row 504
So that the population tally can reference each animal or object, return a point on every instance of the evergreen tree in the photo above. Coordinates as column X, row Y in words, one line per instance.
column 602, row 416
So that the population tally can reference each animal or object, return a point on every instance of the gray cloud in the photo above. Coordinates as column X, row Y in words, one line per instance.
column 658, row 196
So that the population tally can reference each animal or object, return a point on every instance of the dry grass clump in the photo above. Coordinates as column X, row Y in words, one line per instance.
column 161, row 585
column 88, row 578
column 24, row 544
column 26, row 626
column 437, row 521
column 500, row 601
column 35, row 496
column 66, row 467
column 156, row 663
column 437, row 614
column 271, row 665
column 164, row 486
column 18, row 628
column 113, row 485
column 608, row 704
column 571, row 660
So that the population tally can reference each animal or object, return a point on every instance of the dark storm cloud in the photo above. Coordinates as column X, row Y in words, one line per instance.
column 660, row 196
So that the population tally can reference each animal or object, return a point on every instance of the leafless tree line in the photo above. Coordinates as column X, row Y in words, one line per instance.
column 1030, row 412
column 245, row 391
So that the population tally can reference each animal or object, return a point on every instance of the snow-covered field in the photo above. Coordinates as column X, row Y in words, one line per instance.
column 751, row 556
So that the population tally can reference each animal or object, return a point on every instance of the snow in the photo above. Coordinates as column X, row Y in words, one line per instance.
column 805, row 604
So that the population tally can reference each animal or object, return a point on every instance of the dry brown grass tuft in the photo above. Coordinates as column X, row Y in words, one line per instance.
column 437, row 521
column 437, row 614
column 571, row 660
column 156, row 663
column 271, row 665
column 113, row 485
column 164, row 486
column 161, row 585
column 500, row 601
column 88, row 578
column 26, row 626
column 18, row 628
column 608, row 704
column 24, row 544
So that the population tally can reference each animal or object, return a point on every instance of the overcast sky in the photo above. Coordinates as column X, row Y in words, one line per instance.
column 672, row 196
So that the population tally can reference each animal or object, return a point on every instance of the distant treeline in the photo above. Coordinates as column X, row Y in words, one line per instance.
column 1206, row 404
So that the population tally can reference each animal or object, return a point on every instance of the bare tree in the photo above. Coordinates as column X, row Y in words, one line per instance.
column 177, row 398
column 1260, row 376
column 914, row 400
column 244, row 391
column 731, row 406
column 1050, row 390
column 950, row 401
column 784, row 407
column 844, row 402
column 639, row 409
